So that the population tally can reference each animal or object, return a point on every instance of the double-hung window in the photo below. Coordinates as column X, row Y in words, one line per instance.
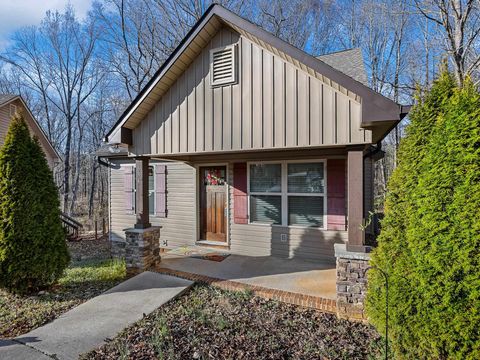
column 266, row 193
column 287, row 193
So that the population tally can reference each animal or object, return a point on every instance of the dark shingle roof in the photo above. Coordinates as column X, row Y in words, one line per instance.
column 6, row 98
column 350, row 62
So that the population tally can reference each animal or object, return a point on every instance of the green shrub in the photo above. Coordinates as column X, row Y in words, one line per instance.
column 33, row 251
column 430, row 239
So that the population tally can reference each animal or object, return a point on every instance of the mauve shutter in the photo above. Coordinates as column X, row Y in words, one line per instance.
column 128, row 188
column 336, row 210
column 160, row 191
column 240, row 200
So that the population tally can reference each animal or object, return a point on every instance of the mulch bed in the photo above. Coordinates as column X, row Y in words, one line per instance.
column 86, row 247
column 209, row 323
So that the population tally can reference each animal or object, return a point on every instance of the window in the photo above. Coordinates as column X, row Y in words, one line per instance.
column 287, row 193
column 266, row 193
column 151, row 190
column 223, row 65
column 305, row 191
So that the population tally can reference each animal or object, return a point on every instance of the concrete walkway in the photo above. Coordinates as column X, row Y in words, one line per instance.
column 89, row 324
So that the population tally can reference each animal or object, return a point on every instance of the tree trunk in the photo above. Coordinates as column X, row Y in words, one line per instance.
column 66, row 165
column 92, row 190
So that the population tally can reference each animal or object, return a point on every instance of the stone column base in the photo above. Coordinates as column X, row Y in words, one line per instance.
column 351, row 283
column 142, row 249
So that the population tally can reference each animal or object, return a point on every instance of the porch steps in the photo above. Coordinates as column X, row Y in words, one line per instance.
column 308, row 301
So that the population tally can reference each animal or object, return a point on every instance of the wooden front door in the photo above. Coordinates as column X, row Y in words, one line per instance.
column 213, row 203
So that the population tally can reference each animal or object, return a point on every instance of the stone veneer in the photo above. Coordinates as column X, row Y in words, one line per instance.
column 351, row 283
column 142, row 249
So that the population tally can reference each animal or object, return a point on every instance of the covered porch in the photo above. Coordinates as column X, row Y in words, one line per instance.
column 307, row 283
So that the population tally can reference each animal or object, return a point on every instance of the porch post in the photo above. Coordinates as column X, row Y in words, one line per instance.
column 141, row 199
column 356, row 236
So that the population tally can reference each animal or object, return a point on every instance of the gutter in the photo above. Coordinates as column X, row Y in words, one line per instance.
column 103, row 162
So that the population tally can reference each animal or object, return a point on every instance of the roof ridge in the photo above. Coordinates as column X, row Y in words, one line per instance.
column 339, row 51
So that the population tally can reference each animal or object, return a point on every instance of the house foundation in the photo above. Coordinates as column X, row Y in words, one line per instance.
column 142, row 249
column 351, row 283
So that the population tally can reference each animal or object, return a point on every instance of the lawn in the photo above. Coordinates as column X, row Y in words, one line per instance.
column 209, row 323
column 87, row 277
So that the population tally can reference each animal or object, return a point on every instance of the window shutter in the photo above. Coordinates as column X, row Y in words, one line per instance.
column 336, row 210
column 223, row 65
column 240, row 199
column 161, row 191
column 128, row 178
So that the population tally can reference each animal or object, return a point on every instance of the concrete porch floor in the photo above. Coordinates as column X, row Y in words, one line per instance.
column 313, row 278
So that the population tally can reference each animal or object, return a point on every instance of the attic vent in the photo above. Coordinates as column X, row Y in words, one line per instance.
column 223, row 69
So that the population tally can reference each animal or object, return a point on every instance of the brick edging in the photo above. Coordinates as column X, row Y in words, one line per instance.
column 309, row 301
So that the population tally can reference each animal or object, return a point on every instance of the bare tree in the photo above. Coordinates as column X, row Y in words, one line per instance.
column 459, row 21
column 56, row 60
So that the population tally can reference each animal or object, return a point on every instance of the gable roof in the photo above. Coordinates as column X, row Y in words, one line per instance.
column 376, row 108
column 6, row 99
column 350, row 62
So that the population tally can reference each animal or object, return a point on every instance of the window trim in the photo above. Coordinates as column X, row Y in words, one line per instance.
column 284, row 194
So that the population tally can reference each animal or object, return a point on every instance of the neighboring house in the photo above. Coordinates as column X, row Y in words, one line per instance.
column 243, row 141
column 9, row 104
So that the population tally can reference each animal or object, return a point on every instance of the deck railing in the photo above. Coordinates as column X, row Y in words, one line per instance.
column 71, row 225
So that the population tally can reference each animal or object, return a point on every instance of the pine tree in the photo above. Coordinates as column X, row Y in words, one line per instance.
column 33, row 251
column 431, row 232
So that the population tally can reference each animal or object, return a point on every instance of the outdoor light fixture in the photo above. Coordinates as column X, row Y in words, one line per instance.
column 114, row 148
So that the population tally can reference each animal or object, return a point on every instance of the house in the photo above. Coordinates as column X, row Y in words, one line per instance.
column 244, row 142
column 9, row 104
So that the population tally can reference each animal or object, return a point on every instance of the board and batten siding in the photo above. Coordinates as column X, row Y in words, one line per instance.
column 273, row 105
column 178, row 228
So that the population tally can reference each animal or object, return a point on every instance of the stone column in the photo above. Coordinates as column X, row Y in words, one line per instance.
column 142, row 249
column 351, row 283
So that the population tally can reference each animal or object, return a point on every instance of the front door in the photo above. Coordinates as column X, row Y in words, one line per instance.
column 213, row 203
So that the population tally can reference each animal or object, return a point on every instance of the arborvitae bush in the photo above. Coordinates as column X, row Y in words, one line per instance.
column 430, row 239
column 33, row 251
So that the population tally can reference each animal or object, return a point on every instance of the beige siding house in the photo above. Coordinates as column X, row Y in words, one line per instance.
column 9, row 104
column 245, row 142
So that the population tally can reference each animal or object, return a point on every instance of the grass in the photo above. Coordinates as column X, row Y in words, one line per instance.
column 209, row 323
column 81, row 281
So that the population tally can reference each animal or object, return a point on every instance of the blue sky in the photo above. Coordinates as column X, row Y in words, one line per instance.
column 15, row 14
